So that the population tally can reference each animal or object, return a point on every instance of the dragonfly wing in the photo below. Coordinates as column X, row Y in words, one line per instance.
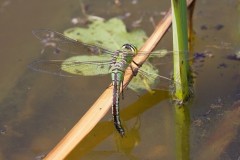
column 80, row 65
column 73, row 66
column 148, row 78
column 59, row 42
column 162, row 57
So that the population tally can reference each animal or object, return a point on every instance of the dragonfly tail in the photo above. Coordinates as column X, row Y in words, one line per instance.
column 115, row 109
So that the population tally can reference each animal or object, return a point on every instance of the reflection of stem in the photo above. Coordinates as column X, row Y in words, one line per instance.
column 182, row 122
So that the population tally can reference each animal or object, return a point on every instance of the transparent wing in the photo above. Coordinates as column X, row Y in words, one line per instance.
column 163, row 56
column 73, row 66
column 62, row 43
column 150, row 78
column 91, row 65
column 62, row 48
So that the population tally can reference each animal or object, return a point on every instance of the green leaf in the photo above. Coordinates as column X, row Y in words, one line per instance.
column 76, row 65
column 111, row 34
column 144, row 81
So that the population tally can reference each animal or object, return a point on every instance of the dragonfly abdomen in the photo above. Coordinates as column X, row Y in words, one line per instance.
column 120, row 61
column 117, row 79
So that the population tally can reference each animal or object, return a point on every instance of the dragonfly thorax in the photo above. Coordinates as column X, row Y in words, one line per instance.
column 122, row 58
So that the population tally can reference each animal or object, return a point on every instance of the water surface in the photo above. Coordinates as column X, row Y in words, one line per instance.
column 37, row 110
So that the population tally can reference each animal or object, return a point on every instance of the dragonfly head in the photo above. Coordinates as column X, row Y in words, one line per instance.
column 129, row 48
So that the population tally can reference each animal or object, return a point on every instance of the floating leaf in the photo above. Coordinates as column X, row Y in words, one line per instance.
column 77, row 65
column 143, row 81
column 111, row 34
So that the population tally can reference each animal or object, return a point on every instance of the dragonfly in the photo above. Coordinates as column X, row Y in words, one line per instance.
column 116, row 63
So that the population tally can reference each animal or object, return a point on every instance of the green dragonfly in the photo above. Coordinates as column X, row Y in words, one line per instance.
column 112, row 62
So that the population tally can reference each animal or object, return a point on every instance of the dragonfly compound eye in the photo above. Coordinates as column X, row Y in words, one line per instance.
column 129, row 47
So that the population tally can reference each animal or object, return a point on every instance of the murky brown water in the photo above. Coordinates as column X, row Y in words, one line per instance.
column 37, row 110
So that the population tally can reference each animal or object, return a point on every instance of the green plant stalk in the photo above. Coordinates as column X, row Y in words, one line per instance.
column 182, row 123
column 181, row 73
column 180, row 46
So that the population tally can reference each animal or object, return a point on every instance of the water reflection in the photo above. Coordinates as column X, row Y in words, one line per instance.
column 131, row 120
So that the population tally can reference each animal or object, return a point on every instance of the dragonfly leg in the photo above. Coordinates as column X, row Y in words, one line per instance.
column 135, row 70
column 136, row 64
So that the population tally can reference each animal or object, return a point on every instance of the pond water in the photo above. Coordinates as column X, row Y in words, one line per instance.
column 37, row 110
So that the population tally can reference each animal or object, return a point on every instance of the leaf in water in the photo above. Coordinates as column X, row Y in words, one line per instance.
column 80, row 65
column 146, row 79
column 143, row 81
column 111, row 34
